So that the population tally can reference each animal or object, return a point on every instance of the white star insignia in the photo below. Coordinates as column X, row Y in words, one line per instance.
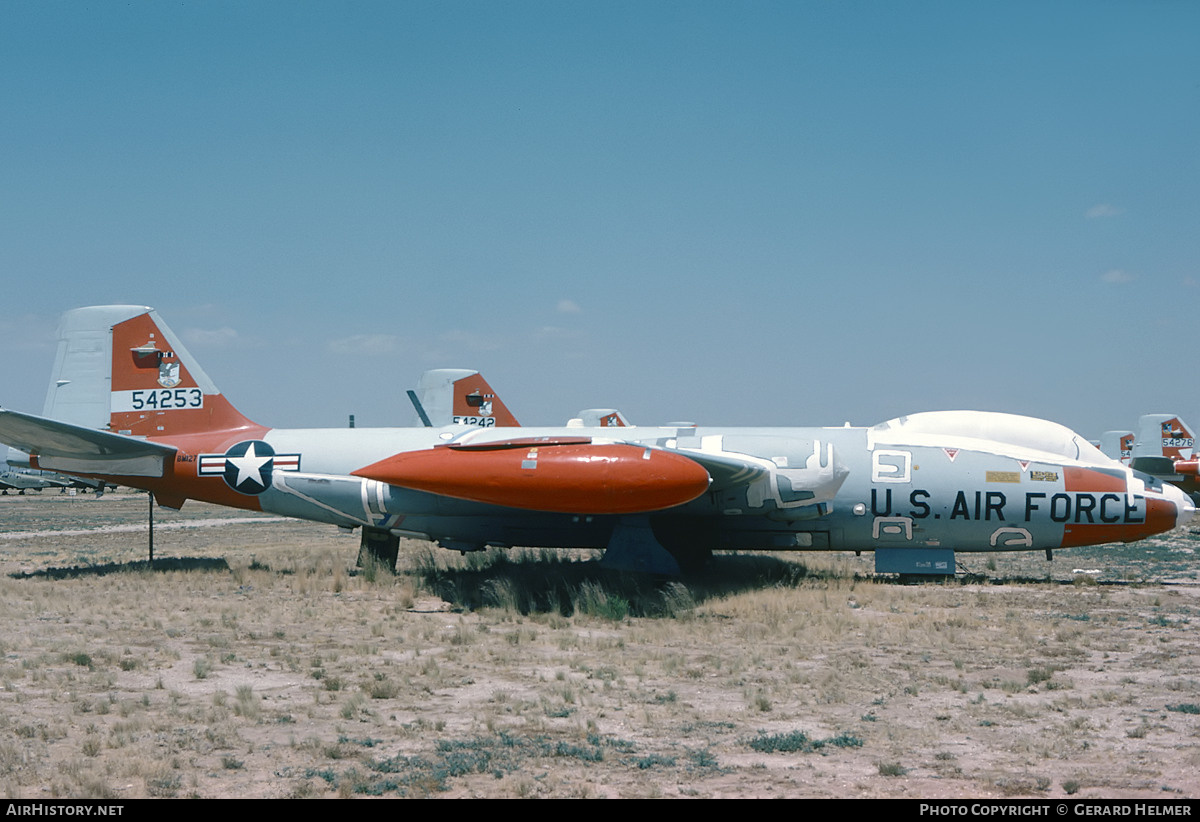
column 249, row 466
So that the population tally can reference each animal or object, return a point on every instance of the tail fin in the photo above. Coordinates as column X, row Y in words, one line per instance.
column 599, row 418
column 1163, row 435
column 463, row 397
column 122, row 369
column 1162, row 440
column 1117, row 445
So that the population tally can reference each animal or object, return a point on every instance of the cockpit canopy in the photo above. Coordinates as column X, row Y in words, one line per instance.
column 1025, row 433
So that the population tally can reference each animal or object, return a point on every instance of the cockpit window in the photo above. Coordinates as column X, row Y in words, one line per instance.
column 1011, row 429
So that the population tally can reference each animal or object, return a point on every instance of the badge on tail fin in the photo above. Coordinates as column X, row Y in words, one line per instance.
column 120, row 368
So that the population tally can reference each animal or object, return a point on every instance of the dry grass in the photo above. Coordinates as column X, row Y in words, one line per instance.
column 267, row 665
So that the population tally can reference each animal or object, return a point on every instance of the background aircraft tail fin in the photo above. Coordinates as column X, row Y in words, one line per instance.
column 120, row 368
column 1117, row 445
column 461, row 396
column 1163, row 435
column 599, row 418
column 1162, row 440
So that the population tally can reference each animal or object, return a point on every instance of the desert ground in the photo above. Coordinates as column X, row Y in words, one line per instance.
column 256, row 660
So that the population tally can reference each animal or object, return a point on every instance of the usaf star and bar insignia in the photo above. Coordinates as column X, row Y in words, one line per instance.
column 247, row 466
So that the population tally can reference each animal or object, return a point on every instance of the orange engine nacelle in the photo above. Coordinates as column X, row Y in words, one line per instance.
column 572, row 476
column 1188, row 468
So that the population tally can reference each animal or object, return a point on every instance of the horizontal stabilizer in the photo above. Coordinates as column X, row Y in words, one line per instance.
column 73, row 449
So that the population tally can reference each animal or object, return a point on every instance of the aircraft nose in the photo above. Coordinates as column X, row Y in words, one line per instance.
column 1184, row 506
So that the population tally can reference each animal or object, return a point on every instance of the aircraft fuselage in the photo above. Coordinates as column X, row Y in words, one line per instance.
column 819, row 488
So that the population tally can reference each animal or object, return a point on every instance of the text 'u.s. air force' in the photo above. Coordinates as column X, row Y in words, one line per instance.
column 987, row 506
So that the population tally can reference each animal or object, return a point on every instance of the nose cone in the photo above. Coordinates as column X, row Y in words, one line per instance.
column 1184, row 506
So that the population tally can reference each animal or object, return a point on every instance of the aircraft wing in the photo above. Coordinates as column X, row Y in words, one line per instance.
column 727, row 471
column 51, row 481
column 61, row 446
column 1154, row 466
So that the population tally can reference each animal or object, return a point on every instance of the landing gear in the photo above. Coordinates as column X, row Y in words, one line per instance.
column 378, row 547
column 642, row 544
column 633, row 547
column 691, row 544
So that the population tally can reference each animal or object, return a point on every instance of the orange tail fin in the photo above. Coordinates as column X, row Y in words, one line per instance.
column 122, row 369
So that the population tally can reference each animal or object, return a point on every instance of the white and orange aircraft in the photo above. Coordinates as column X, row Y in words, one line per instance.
column 1165, row 448
column 128, row 404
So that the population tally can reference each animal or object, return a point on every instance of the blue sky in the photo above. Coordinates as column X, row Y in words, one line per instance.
column 794, row 213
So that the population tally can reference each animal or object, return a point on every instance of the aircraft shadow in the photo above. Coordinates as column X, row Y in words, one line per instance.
column 162, row 564
column 547, row 584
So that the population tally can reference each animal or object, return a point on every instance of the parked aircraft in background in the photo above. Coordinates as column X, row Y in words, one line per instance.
column 22, row 481
column 1162, row 437
column 20, row 477
column 1165, row 449
column 599, row 418
column 914, row 489
column 458, row 396
column 1188, row 472
column 1117, row 445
